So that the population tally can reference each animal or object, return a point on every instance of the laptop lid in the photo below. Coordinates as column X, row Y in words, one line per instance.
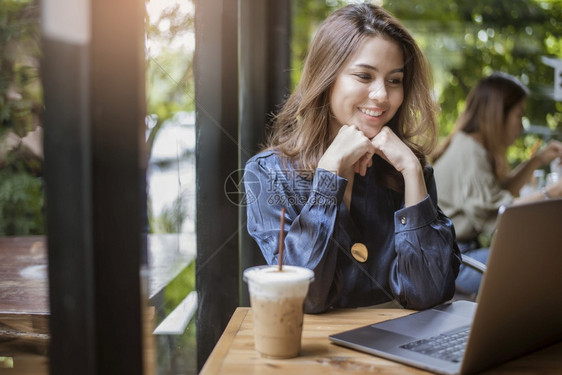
column 518, row 307
column 520, row 298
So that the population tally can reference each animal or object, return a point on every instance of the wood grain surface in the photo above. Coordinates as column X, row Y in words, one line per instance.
column 234, row 354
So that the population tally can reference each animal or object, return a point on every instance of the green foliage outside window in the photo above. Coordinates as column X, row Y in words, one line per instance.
column 169, row 67
column 21, row 184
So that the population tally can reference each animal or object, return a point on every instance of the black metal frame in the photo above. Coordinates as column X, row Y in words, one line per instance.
column 95, row 192
column 216, row 95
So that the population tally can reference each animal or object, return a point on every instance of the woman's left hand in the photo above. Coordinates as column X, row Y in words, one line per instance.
column 394, row 150
column 402, row 158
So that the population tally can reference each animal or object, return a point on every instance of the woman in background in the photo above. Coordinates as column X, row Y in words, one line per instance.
column 346, row 157
column 472, row 172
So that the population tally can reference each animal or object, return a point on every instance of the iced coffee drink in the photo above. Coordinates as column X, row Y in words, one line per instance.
column 277, row 299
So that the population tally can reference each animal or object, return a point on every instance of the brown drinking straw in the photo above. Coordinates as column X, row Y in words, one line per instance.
column 281, row 234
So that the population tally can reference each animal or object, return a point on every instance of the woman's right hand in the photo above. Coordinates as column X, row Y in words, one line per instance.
column 552, row 150
column 350, row 152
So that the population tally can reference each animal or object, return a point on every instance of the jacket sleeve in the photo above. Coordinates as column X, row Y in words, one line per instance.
column 427, row 256
column 309, row 222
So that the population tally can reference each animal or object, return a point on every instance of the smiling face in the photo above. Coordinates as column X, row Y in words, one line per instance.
column 369, row 90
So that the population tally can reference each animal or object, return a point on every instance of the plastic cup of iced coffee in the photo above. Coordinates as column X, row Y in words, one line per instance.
column 277, row 300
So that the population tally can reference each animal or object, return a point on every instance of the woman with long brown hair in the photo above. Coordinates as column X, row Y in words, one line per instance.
column 346, row 157
column 472, row 172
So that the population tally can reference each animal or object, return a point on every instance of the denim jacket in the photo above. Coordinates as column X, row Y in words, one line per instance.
column 413, row 256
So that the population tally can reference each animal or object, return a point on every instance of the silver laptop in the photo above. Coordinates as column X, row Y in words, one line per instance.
column 518, row 308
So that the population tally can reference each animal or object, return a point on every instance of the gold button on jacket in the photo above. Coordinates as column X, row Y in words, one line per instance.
column 359, row 252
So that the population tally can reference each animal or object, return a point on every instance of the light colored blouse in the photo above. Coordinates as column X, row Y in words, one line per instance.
column 469, row 192
column 412, row 258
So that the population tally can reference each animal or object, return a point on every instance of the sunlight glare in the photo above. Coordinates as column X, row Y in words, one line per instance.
column 154, row 9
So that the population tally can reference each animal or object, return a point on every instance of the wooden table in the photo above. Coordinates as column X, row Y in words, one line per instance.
column 234, row 353
column 24, row 292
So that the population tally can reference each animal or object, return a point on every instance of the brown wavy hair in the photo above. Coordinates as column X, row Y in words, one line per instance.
column 300, row 132
column 485, row 113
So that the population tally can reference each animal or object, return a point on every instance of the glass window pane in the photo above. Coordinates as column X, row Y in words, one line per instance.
column 170, row 135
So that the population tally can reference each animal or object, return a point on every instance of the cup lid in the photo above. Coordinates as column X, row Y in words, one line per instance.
column 271, row 274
